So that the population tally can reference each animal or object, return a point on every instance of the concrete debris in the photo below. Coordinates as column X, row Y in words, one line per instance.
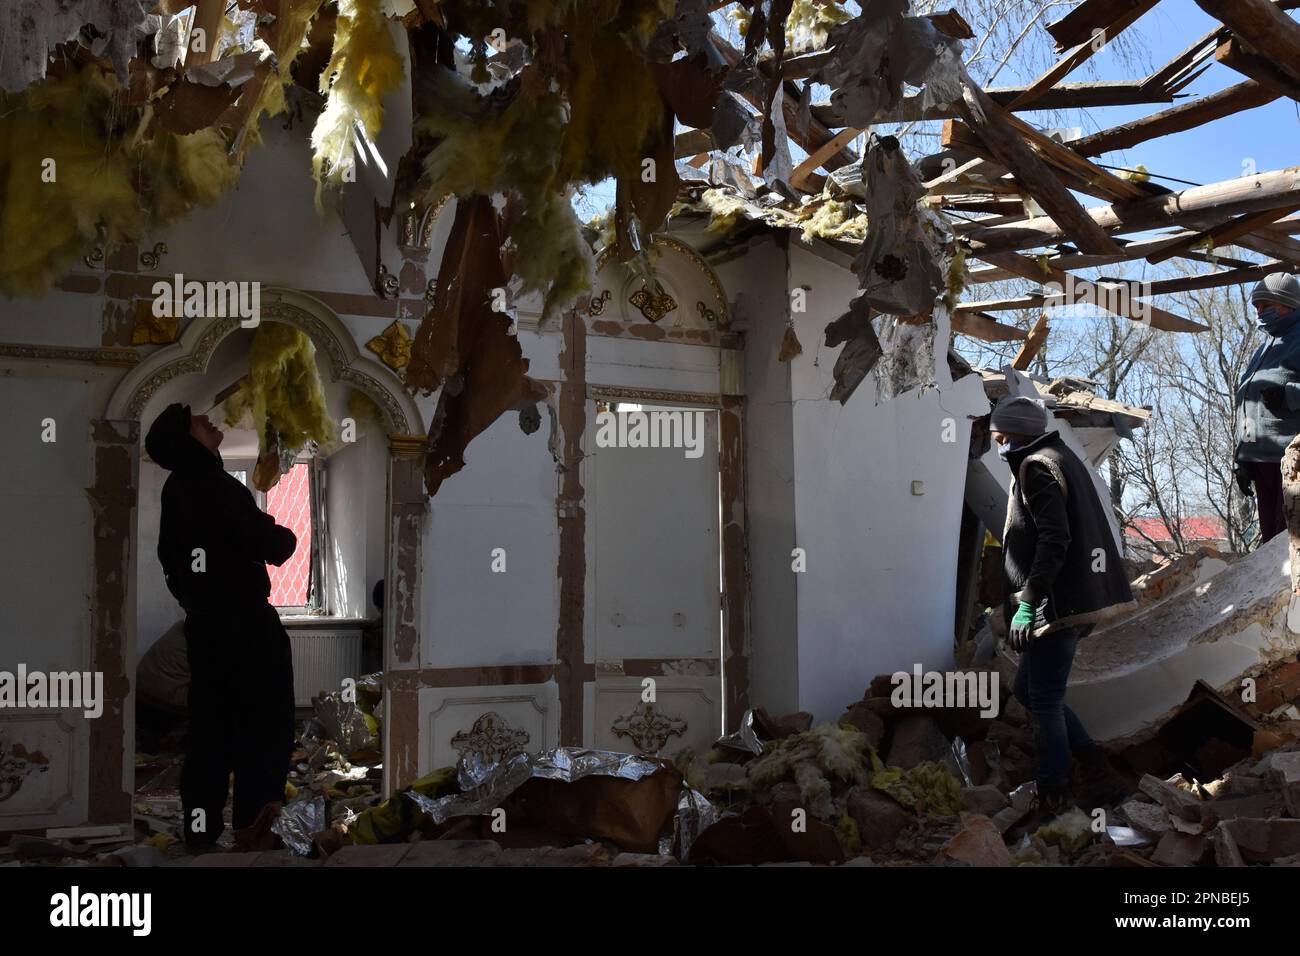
column 1179, row 802
column 984, row 800
column 978, row 844
column 1148, row 817
column 1180, row 849
column 879, row 818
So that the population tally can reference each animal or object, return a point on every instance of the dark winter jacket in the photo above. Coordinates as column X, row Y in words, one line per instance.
column 205, row 508
column 1262, row 434
column 1058, row 553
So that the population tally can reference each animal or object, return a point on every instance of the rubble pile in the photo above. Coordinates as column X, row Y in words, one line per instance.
column 1216, row 784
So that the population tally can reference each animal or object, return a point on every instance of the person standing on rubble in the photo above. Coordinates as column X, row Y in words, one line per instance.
column 1061, row 574
column 1268, row 400
column 214, row 544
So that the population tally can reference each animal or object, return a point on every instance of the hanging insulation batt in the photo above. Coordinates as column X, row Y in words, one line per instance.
column 283, row 390
column 364, row 67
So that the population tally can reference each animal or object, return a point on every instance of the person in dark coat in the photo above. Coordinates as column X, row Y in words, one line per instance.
column 1062, row 574
column 214, row 544
column 1268, row 399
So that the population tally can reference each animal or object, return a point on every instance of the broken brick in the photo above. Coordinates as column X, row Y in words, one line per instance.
column 979, row 843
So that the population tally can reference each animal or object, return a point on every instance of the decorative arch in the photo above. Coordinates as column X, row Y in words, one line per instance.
column 344, row 360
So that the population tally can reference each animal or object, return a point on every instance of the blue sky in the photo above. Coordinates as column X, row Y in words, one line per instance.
column 1270, row 135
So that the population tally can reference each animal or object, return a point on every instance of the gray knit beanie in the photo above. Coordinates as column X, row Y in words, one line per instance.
column 1020, row 415
column 1278, row 287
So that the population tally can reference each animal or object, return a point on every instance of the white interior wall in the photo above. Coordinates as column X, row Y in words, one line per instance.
column 877, row 596
column 503, row 498
column 45, row 579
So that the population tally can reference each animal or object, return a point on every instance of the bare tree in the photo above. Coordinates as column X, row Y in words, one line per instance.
column 1192, row 385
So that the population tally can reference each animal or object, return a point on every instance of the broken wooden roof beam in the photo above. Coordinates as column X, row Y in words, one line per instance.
column 1119, row 298
column 1222, row 234
column 1104, row 23
column 1265, row 27
column 1246, row 194
column 990, row 123
column 1233, row 53
column 1178, row 71
column 1077, row 260
column 1076, row 171
column 1087, row 95
column 1208, row 280
column 1176, row 119
column 817, row 133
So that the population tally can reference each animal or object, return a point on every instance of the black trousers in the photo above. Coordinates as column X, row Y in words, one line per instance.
column 241, row 717
column 1267, row 478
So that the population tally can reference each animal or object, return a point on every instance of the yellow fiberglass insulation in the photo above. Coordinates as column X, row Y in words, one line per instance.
column 831, row 219
column 68, row 168
column 927, row 788
column 283, row 389
column 542, row 144
column 814, row 759
column 810, row 21
column 365, row 65
column 486, row 150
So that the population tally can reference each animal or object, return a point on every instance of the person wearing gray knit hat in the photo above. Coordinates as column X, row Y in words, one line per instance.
column 1061, row 575
column 1019, row 415
column 1268, row 400
column 1280, row 287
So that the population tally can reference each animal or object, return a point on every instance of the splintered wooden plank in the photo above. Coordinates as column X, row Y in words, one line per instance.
column 986, row 328
column 1232, row 53
column 1083, row 52
column 1184, row 116
column 1033, row 345
column 1222, row 234
column 1264, row 26
column 1077, row 25
column 826, row 150
column 1188, row 60
column 1032, row 174
column 953, row 24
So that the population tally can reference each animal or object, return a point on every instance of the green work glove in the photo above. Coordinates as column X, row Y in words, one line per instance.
column 1022, row 627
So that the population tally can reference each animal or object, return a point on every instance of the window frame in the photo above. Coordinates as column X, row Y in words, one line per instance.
column 316, row 604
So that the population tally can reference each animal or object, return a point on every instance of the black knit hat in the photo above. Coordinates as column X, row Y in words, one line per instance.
column 169, row 435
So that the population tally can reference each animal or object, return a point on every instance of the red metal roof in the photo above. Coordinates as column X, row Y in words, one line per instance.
column 1196, row 528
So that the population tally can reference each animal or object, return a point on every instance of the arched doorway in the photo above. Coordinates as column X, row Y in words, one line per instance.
column 116, row 442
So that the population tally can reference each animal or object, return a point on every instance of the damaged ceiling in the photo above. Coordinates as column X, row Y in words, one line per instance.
column 148, row 111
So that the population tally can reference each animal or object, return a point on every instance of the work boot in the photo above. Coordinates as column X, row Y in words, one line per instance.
column 1097, row 782
column 1049, row 803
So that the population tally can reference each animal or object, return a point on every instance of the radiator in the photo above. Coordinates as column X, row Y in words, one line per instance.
column 322, row 659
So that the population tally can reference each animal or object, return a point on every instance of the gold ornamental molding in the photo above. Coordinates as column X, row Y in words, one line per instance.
column 689, row 254
column 117, row 357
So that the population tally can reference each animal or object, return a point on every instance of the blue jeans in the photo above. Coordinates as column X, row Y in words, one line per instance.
column 1040, row 686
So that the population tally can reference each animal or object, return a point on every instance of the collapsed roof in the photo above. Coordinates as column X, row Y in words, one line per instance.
column 150, row 109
